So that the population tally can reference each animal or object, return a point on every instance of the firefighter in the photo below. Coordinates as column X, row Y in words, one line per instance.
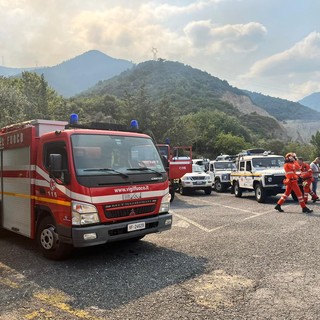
column 307, row 179
column 291, row 166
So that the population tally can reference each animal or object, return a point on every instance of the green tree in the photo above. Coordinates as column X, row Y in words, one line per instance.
column 315, row 141
column 12, row 103
column 227, row 143
column 306, row 151
column 274, row 145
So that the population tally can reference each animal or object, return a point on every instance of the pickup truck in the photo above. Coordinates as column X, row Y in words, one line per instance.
column 195, row 180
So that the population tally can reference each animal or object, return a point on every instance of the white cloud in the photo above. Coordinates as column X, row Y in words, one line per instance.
column 292, row 74
column 221, row 39
column 165, row 11
column 303, row 57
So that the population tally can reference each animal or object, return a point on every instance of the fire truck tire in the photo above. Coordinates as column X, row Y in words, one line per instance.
column 48, row 241
column 237, row 190
column 260, row 193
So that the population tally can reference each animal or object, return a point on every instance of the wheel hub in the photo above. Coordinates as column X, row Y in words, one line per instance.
column 48, row 238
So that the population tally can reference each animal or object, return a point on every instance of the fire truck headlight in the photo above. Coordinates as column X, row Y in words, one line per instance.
column 165, row 203
column 83, row 214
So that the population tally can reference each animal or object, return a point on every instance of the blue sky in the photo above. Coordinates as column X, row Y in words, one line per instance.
column 266, row 46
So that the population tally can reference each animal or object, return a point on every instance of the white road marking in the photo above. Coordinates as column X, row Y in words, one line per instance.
column 253, row 216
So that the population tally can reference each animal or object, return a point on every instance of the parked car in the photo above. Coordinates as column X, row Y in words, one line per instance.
column 196, row 180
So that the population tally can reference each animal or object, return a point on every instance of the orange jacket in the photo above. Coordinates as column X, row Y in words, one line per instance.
column 306, row 171
column 290, row 169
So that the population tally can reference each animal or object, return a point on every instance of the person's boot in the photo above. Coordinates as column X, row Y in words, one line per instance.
column 278, row 207
column 306, row 210
column 315, row 199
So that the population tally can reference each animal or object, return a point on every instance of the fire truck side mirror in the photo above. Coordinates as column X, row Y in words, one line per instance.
column 56, row 169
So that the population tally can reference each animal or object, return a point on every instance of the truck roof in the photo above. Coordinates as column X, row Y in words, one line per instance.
column 48, row 126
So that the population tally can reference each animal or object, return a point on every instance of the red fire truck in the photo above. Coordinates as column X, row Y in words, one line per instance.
column 179, row 162
column 75, row 186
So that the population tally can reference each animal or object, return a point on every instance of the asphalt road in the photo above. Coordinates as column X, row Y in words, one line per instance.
column 225, row 258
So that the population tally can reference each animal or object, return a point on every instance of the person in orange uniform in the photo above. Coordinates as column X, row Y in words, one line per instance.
column 291, row 166
column 307, row 179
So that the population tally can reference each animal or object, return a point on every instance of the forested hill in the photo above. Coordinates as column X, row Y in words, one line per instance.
column 183, row 86
column 159, row 76
column 189, row 89
column 283, row 109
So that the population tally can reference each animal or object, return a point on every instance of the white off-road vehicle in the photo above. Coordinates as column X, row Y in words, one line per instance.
column 195, row 180
column 260, row 172
column 220, row 174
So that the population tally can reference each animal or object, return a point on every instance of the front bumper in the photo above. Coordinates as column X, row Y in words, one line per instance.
column 118, row 231
column 196, row 184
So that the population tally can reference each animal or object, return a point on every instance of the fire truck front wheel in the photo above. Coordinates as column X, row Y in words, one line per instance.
column 48, row 241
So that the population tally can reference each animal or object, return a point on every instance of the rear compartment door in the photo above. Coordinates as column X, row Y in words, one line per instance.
column 16, row 184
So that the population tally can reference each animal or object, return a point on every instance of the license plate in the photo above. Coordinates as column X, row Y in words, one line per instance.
column 136, row 226
column 199, row 182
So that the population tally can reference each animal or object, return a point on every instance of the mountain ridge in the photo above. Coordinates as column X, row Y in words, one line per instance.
column 75, row 75
column 312, row 101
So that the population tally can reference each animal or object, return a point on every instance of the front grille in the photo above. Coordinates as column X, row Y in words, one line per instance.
column 274, row 180
column 197, row 178
column 130, row 209
column 225, row 177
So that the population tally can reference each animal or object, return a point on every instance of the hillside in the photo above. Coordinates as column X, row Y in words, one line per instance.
column 283, row 109
column 179, row 84
column 312, row 101
column 188, row 90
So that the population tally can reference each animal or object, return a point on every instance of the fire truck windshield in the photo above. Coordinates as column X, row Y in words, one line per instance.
column 99, row 155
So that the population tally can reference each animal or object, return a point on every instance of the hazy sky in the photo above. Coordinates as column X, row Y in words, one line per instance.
column 267, row 46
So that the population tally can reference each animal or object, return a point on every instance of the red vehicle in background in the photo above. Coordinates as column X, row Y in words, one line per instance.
column 179, row 162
